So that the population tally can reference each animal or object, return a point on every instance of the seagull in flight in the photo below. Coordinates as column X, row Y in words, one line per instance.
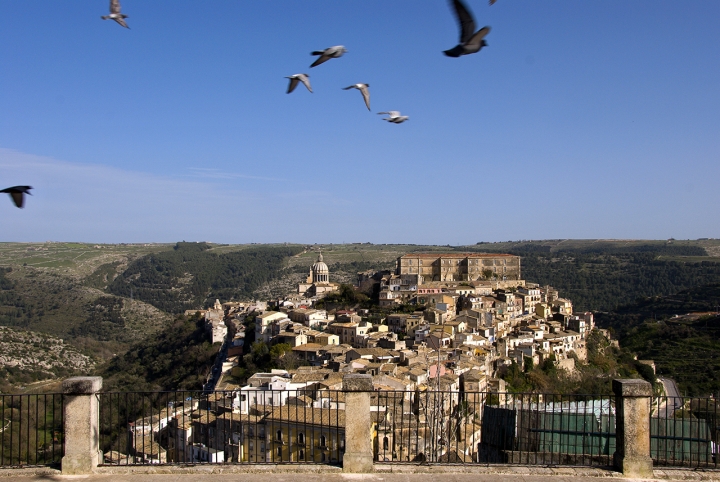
column 115, row 13
column 470, row 41
column 327, row 54
column 295, row 79
column 394, row 116
column 363, row 88
column 17, row 193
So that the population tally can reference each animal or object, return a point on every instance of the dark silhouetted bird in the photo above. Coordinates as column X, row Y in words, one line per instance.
column 17, row 193
column 491, row 2
column 470, row 41
column 294, row 79
column 363, row 88
column 115, row 13
column 327, row 54
column 394, row 116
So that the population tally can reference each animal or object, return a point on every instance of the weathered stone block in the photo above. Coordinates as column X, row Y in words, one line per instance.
column 358, row 456
column 82, row 434
column 357, row 382
column 81, row 385
column 357, row 464
column 628, row 387
column 632, row 404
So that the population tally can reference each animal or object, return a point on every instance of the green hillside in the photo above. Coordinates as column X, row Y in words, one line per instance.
column 602, row 275
column 105, row 299
column 192, row 276
column 63, row 306
column 680, row 332
column 177, row 358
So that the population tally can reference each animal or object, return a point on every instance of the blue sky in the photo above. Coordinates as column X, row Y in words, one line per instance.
column 581, row 119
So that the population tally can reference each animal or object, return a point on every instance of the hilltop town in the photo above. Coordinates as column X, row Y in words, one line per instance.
column 471, row 318
column 448, row 339
column 474, row 317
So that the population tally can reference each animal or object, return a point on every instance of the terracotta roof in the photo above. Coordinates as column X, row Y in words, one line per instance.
column 376, row 352
column 361, row 361
column 147, row 446
column 307, row 347
column 308, row 377
column 308, row 416
column 301, row 399
column 333, row 395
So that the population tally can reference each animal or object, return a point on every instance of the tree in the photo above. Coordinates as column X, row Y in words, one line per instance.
column 279, row 350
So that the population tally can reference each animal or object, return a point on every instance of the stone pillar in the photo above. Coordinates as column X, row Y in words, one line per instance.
column 358, row 457
column 82, row 425
column 632, row 403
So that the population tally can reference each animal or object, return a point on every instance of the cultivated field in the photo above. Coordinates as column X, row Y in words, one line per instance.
column 77, row 260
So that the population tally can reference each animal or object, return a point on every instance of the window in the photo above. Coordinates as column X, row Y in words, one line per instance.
column 279, row 452
column 385, row 443
column 323, row 441
column 301, row 438
column 301, row 455
column 278, row 434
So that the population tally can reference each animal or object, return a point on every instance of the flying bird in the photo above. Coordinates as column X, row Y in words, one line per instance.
column 491, row 2
column 363, row 88
column 394, row 116
column 470, row 41
column 115, row 13
column 295, row 79
column 17, row 193
column 327, row 54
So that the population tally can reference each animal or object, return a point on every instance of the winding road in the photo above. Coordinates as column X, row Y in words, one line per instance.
column 672, row 400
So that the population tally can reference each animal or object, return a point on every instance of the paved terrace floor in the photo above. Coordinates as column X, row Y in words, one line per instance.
column 332, row 474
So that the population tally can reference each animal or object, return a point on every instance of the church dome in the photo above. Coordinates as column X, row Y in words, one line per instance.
column 320, row 271
column 320, row 267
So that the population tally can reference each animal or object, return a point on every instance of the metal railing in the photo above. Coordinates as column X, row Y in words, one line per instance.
column 261, row 426
column 448, row 427
column 685, row 432
column 239, row 427
column 31, row 430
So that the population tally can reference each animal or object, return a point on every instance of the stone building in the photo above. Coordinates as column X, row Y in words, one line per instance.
column 318, row 281
column 429, row 267
column 215, row 322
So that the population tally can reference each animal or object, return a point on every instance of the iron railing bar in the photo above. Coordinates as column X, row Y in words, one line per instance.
column 44, row 437
column 12, row 405
column 37, row 423
column 62, row 425
column 13, row 430
column 2, row 420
